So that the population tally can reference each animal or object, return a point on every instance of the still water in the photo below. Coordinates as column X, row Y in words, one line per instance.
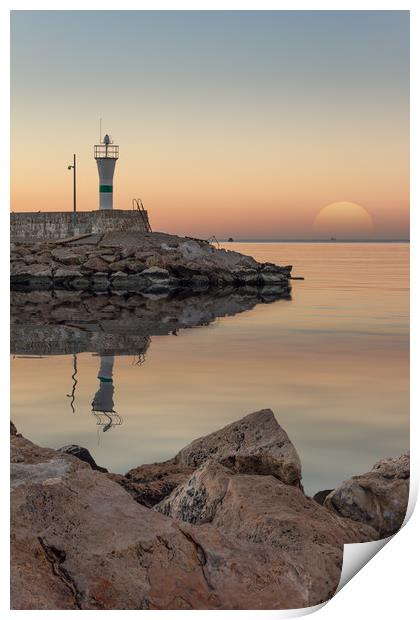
column 332, row 363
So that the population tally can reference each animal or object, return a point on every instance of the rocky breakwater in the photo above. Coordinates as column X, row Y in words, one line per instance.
column 231, row 528
column 152, row 262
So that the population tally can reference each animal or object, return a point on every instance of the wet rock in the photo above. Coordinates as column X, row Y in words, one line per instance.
column 36, row 269
column 82, row 284
column 378, row 498
column 100, row 281
column 119, row 280
column 67, row 273
column 83, row 454
column 270, row 275
column 200, row 282
column 136, row 282
column 156, row 275
column 256, row 444
column 246, row 276
column 262, row 512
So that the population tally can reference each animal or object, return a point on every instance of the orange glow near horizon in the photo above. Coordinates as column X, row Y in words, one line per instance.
column 214, row 139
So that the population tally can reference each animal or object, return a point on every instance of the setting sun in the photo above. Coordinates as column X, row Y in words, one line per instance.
column 343, row 219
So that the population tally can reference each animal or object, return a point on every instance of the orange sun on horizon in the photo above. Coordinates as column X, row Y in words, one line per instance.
column 343, row 220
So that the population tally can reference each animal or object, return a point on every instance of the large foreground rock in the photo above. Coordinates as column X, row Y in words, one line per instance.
column 256, row 444
column 268, row 516
column 79, row 541
column 378, row 498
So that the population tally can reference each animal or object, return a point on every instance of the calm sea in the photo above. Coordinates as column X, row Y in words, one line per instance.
column 332, row 363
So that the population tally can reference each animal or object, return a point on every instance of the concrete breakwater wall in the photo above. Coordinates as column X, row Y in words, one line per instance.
column 60, row 224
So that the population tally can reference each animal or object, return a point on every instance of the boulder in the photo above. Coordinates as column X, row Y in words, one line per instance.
column 256, row 444
column 267, row 515
column 43, row 257
column 68, row 255
column 270, row 275
column 197, row 499
column 95, row 264
column 135, row 266
column 36, row 270
column 378, row 498
column 79, row 541
column 118, row 266
column 83, row 454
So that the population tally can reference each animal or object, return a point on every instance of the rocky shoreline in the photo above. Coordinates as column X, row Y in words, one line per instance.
column 225, row 524
column 149, row 262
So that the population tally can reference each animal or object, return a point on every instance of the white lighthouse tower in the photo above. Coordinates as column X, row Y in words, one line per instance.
column 106, row 155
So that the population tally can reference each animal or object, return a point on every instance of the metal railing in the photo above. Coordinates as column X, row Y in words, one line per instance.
column 138, row 204
column 106, row 151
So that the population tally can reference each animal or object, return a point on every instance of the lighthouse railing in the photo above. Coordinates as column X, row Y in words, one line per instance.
column 106, row 151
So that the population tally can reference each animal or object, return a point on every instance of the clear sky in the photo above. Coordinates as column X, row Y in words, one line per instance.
column 242, row 124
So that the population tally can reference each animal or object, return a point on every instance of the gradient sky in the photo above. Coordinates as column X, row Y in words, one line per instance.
column 240, row 124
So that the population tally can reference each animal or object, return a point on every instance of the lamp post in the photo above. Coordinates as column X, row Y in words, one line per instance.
column 74, row 189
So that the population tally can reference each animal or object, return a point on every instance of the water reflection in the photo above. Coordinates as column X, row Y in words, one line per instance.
column 103, row 401
column 110, row 325
column 72, row 395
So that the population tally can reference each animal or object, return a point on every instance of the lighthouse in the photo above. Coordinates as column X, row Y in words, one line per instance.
column 106, row 155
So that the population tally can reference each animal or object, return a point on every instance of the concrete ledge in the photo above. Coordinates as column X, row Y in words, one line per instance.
column 59, row 224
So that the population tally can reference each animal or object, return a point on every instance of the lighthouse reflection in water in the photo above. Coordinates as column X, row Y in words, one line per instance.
column 103, row 401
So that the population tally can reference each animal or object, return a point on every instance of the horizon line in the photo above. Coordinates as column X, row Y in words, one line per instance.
column 253, row 240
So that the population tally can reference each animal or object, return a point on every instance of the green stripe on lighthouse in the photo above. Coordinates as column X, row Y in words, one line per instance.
column 105, row 189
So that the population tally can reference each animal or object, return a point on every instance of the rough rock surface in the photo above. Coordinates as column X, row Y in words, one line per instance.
column 378, row 498
column 263, row 512
column 222, row 537
column 150, row 484
column 79, row 541
column 256, row 444
column 137, row 261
